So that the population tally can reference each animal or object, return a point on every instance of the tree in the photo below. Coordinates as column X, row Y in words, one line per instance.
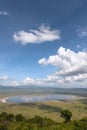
column 3, row 116
column 10, row 117
column 19, row 117
column 66, row 114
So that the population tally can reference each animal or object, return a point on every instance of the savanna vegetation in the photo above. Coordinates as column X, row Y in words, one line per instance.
column 50, row 109
column 19, row 122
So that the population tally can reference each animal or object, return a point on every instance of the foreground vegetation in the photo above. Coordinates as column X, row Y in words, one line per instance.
column 18, row 122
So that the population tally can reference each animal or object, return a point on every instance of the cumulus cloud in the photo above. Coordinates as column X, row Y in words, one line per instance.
column 28, row 80
column 35, row 82
column 15, row 83
column 43, row 34
column 55, row 80
column 82, row 32
column 31, row 81
column 3, row 13
column 3, row 77
column 72, row 70
column 72, row 66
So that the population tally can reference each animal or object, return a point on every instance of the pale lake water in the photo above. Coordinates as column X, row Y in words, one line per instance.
column 37, row 94
column 39, row 98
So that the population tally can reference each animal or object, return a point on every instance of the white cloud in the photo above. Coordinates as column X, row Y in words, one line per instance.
column 31, row 81
column 72, row 71
column 43, row 61
column 72, row 66
column 15, row 83
column 58, row 81
column 3, row 77
column 3, row 13
column 35, row 82
column 43, row 34
column 53, row 80
column 28, row 80
column 82, row 32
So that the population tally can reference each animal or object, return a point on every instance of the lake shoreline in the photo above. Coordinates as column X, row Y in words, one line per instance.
column 39, row 98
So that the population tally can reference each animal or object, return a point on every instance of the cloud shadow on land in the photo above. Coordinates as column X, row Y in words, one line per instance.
column 44, row 107
column 49, row 108
column 24, row 104
column 29, row 104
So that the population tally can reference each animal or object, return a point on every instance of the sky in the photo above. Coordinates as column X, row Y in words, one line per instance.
column 43, row 43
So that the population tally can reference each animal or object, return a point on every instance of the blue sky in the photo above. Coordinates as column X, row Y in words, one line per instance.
column 43, row 43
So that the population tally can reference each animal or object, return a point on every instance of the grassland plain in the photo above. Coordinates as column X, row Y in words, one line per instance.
column 50, row 109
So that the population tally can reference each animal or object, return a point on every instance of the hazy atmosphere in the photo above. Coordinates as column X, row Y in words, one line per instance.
column 43, row 43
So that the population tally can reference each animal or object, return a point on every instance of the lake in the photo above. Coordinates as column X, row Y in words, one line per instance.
column 39, row 98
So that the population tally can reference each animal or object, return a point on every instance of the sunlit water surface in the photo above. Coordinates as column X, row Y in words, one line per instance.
column 40, row 98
